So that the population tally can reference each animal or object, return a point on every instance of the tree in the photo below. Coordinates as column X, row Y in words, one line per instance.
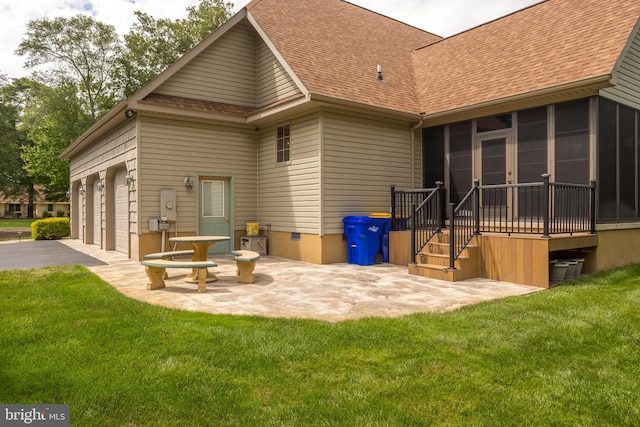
column 152, row 45
column 14, row 179
column 52, row 119
column 79, row 50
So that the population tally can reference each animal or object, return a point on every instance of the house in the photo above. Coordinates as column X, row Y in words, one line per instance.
column 296, row 126
column 16, row 207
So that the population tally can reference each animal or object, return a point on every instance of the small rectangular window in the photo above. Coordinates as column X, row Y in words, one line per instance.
column 283, row 146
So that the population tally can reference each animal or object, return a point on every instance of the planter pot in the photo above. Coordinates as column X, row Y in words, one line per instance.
column 558, row 272
column 571, row 269
column 578, row 271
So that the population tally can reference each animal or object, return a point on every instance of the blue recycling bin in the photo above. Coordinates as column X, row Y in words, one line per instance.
column 364, row 238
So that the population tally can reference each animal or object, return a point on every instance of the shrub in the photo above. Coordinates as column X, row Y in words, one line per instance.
column 46, row 214
column 50, row 229
column 61, row 213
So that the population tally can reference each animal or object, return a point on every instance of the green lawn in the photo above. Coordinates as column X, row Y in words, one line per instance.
column 16, row 222
column 567, row 356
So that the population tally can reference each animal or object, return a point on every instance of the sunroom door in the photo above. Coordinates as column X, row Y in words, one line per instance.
column 496, row 167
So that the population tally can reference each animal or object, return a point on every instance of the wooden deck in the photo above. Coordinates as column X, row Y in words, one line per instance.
column 516, row 258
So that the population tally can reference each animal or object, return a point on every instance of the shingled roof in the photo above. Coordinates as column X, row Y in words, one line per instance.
column 334, row 47
column 551, row 44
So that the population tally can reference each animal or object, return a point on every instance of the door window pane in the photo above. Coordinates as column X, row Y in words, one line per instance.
column 213, row 199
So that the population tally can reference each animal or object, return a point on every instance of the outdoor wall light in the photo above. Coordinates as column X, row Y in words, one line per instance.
column 128, row 179
column 188, row 182
column 68, row 194
column 128, row 114
column 100, row 185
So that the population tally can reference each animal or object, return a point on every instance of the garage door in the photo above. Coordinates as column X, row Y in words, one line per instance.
column 97, row 215
column 121, row 213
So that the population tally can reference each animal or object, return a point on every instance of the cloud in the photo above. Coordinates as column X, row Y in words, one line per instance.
column 442, row 17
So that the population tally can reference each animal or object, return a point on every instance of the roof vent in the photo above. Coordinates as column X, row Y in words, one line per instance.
column 379, row 73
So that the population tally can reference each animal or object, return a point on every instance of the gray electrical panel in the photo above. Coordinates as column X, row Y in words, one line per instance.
column 168, row 204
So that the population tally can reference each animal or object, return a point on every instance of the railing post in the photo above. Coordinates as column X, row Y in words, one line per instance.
column 439, row 205
column 452, row 237
column 545, row 196
column 476, row 206
column 393, row 208
column 593, row 207
column 413, row 233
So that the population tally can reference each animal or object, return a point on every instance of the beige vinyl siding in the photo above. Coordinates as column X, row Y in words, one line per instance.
column 170, row 150
column 274, row 83
column 224, row 72
column 117, row 147
column 362, row 159
column 114, row 150
column 627, row 77
column 289, row 194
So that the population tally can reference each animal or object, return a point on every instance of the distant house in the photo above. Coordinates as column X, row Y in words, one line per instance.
column 297, row 113
column 18, row 207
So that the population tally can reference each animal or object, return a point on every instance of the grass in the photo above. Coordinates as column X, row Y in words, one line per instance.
column 566, row 356
column 16, row 222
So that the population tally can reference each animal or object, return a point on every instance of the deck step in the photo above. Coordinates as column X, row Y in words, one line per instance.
column 433, row 261
column 438, row 272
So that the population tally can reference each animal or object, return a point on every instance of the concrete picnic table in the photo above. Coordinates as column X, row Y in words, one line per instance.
column 200, row 246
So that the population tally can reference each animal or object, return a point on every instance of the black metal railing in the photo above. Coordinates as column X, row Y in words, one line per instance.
column 464, row 221
column 532, row 208
column 421, row 211
column 543, row 208
column 404, row 202
column 427, row 219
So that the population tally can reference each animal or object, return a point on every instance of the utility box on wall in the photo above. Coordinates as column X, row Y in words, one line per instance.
column 254, row 243
column 168, row 204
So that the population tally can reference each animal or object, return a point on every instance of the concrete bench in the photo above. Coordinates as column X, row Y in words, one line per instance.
column 245, row 263
column 156, row 270
column 169, row 254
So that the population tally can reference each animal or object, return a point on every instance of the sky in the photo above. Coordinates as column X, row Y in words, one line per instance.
column 441, row 17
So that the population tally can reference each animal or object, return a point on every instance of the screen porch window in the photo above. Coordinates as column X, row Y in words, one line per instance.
column 283, row 148
column 213, row 199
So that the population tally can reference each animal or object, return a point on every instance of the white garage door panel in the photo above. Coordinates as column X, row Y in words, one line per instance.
column 121, row 213
column 97, row 216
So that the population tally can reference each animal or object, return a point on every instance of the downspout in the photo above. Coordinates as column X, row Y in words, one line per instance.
column 413, row 152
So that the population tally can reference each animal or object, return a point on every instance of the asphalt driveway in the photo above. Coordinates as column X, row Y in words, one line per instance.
column 41, row 253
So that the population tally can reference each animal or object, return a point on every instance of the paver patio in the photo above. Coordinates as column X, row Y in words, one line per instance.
column 294, row 289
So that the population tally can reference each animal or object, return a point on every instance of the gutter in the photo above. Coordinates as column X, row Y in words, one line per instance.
column 593, row 83
column 413, row 152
